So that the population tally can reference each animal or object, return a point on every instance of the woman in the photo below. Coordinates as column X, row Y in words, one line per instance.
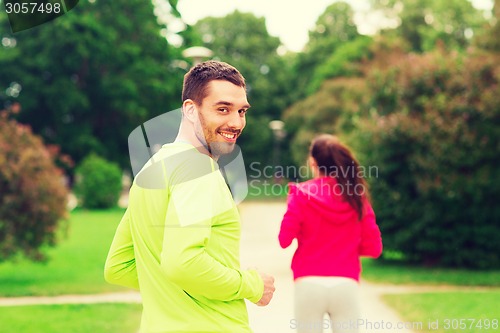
column 334, row 224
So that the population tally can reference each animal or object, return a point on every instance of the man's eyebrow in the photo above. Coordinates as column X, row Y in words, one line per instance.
column 246, row 106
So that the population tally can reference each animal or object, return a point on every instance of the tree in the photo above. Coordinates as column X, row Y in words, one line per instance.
column 242, row 40
column 331, row 109
column 334, row 28
column 334, row 90
column 90, row 77
column 344, row 61
column 32, row 191
column 489, row 39
column 422, row 23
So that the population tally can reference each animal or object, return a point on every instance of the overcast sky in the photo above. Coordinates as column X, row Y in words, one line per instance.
column 289, row 20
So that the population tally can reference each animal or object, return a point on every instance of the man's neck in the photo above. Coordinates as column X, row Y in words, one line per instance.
column 200, row 147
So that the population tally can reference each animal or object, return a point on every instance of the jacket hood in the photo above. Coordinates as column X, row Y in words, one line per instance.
column 324, row 197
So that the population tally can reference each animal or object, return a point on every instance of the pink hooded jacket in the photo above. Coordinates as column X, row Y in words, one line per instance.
column 330, row 237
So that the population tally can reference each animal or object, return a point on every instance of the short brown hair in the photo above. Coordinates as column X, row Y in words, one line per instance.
column 198, row 77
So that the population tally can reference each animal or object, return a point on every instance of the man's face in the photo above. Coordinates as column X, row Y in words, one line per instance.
column 221, row 117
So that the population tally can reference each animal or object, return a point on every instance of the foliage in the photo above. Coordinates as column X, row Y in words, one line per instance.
column 436, row 146
column 333, row 109
column 98, row 182
column 90, row 77
column 341, row 101
column 344, row 61
column 424, row 23
column 334, row 50
column 489, row 38
column 334, row 28
column 32, row 192
column 242, row 40
column 429, row 124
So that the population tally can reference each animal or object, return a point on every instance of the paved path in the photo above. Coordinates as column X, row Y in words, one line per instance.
column 123, row 297
column 260, row 249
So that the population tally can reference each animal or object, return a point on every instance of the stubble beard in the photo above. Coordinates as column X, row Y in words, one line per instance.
column 209, row 139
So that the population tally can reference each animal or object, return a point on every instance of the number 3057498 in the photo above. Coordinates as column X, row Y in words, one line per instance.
column 32, row 7
column 478, row 324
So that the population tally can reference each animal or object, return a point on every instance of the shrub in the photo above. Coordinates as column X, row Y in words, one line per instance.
column 437, row 151
column 32, row 192
column 98, row 182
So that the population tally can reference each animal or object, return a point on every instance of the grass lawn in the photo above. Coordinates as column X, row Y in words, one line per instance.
column 465, row 312
column 267, row 189
column 79, row 318
column 385, row 272
column 75, row 265
column 440, row 311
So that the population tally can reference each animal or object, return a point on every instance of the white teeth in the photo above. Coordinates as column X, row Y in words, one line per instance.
column 228, row 136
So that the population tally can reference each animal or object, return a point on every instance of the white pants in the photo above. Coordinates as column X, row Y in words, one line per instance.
column 337, row 297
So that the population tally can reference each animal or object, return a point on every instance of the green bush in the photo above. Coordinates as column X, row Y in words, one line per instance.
column 436, row 146
column 98, row 182
column 32, row 192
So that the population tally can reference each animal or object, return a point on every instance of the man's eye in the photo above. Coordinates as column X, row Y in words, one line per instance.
column 242, row 111
column 223, row 110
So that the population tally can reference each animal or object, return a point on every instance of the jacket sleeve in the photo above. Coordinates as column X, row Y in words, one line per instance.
column 120, row 265
column 184, row 259
column 290, row 225
column 371, row 240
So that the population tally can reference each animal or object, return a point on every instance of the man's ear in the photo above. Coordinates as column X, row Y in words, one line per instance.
column 189, row 110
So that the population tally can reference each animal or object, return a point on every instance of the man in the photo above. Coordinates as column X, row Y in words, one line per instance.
column 178, row 241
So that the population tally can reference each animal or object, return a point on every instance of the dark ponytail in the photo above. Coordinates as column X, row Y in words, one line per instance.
column 336, row 160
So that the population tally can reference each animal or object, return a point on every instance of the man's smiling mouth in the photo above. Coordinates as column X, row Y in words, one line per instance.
column 231, row 136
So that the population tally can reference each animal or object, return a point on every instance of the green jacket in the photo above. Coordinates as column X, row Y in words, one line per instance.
column 178, row 243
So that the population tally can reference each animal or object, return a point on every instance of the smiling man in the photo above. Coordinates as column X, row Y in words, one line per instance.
column 178, row 241
column 215, row 114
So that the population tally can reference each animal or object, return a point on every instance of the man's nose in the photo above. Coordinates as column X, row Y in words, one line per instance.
column 236, row 121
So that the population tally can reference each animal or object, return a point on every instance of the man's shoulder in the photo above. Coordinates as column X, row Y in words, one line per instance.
column 179, row 158
column 169, row 162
